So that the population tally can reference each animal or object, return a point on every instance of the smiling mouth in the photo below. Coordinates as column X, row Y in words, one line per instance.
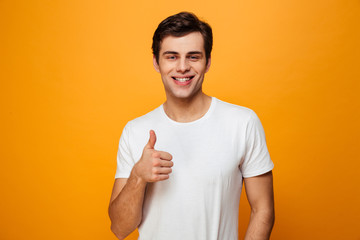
column 182, row 79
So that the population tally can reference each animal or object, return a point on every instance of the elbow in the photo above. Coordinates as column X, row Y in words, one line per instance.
column 267, row 216
column 116, row 230
column 271, row 219
column 115, row 226
column 121, row 232
column 122, row 226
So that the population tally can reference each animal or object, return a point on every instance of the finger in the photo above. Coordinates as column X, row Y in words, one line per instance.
column 162, row 177
column 162, row 170
column 152, row 140
column 166, row 163
column 165, row 155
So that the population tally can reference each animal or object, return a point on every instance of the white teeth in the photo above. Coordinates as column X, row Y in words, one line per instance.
column 182, row 79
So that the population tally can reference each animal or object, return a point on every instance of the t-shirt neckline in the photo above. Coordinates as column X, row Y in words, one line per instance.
column 205, row 116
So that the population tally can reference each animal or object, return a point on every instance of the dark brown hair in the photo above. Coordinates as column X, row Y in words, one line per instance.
column 179, row 25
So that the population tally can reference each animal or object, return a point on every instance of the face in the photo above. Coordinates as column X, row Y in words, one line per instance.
column 182, row 65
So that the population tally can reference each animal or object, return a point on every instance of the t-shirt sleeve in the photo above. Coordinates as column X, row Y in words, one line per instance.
column 125, row 161
column 257, row 159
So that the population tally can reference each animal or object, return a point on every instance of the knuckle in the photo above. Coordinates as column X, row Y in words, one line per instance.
column 156, row 163
column 155, row 154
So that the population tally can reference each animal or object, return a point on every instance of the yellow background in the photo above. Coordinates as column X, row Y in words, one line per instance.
column 74, row 72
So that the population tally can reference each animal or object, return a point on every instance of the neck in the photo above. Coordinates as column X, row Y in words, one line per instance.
column 187, row 109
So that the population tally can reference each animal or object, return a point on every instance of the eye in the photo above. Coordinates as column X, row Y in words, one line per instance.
column 171, row 57
column 194, row 57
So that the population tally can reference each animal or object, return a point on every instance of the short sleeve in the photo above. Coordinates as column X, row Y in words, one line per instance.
column 125, row 161
column 257, row 159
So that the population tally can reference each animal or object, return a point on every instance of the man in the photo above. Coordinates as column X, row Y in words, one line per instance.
column 181, row 167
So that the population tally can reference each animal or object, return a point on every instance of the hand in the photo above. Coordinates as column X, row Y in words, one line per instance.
column 153, row 165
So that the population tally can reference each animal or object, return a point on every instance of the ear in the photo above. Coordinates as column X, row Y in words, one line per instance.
column 208, row 64
column 156, row 65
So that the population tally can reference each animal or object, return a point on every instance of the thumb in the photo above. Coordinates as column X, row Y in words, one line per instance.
column 152, row 140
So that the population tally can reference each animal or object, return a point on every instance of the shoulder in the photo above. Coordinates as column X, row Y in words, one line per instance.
column 145, row 121
column 230, row 110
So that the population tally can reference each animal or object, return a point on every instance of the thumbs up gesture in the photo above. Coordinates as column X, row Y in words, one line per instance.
column 153, row 165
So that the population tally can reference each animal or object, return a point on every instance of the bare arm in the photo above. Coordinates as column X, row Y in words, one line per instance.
column 259, row 191
column 125, row 208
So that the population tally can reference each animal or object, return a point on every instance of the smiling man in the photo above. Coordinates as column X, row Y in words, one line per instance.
column 181, row 167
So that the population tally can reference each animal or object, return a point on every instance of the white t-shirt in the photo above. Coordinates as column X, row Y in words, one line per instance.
column 211, row 155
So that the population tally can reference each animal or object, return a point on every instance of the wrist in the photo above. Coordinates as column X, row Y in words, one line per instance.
column 136, row 177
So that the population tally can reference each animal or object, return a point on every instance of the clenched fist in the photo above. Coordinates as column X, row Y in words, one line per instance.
column 153, row 165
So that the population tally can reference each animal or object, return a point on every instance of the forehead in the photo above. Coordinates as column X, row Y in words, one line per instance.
column 190, row 42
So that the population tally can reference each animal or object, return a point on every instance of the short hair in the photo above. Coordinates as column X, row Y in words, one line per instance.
column 179, row 25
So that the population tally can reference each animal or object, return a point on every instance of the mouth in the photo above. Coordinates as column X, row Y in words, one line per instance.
column 183, row 79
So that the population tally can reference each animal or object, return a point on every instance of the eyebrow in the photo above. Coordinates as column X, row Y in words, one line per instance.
column 195, row 52
column 170, row 52
column 173, row 52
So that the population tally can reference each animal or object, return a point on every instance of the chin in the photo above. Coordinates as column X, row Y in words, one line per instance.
column 184, row 95
column 181, row 96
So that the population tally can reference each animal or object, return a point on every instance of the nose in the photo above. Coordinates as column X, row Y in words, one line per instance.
column 183, row 65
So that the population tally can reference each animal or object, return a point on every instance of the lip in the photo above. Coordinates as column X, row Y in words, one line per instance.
column 182, row 83
column 185, row 76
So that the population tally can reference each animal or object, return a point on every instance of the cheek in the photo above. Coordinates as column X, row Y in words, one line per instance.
column 165, row 68
column 199, row 66
column 200, row 69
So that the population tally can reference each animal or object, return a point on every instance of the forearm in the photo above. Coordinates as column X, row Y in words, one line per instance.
column 125, row 210
column 260, row 225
